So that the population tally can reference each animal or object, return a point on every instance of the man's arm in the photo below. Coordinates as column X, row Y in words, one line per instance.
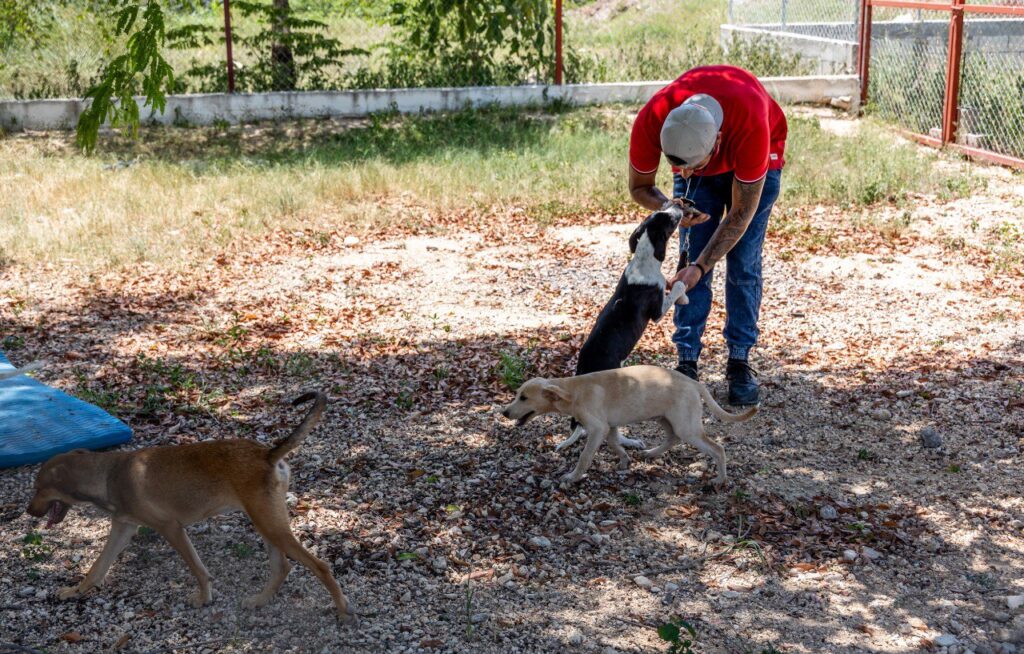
column 745, row 198
column 644, row 192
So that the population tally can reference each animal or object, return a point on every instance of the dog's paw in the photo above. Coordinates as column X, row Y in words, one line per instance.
column 68, row 592
column 200, row 599
column 255, row 601
column 568, row 479
column 348, row 619
column 634, row 443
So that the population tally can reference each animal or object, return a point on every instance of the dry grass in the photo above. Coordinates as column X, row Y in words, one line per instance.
column 178, row 195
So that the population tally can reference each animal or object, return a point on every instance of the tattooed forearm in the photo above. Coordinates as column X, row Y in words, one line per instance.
column 745, row 198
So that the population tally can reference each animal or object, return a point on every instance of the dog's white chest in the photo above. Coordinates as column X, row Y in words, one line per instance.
column 644, row 268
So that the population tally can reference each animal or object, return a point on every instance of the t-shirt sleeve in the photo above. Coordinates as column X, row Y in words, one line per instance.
column 645, row 142
column 752, row 157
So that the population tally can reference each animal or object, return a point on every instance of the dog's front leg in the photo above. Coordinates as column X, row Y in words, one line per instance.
column 176, row 536
column 676, row 296
column 120, row 535
column 596, row 434
column 615, row 442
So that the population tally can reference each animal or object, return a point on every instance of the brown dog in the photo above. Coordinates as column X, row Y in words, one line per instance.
column 167, row 488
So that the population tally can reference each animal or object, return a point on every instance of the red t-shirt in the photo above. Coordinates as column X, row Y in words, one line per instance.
column 753, row 125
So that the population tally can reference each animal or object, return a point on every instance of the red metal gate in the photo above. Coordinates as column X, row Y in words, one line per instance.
column 997, row 105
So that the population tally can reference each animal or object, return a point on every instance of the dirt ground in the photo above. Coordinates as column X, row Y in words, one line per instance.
column 841, row 529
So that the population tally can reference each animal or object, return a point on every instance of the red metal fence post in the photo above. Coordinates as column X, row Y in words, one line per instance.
column 558, row 42
column 951, row 103
column 227, row 42
column 864, row 50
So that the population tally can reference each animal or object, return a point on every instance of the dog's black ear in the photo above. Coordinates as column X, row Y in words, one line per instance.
column 554, row 394
column 634, row 238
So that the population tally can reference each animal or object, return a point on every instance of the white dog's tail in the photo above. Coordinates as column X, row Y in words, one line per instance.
column 7, row 374
column 721, row 413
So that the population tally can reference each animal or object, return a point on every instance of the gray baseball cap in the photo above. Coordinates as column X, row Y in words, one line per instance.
column 690, row 130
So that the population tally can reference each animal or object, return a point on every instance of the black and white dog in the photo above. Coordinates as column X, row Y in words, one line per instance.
column 639, row 298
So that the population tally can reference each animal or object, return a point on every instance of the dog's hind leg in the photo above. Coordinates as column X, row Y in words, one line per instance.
column 708, row 446
column 120, row 535
column 279, row 569
column 575, row 436
column 671, row 440
column 597, row 432
column 614, row 440
column 176, row 536
column 271, row 520
column 634, row 443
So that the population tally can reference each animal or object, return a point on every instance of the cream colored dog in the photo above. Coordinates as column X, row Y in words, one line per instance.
column 604, row 401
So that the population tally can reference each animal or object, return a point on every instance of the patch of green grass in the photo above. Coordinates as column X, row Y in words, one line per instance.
column 34, row 549
column 866, row 168
column 12, row 342
column 631, row 499
column 242, row 550
column 511, row 369
column 679, row 634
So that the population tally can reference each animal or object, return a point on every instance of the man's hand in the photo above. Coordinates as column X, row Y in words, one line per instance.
column 689, row 275
column 691, row 215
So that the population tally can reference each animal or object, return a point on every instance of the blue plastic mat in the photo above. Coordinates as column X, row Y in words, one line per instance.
column 37, row 421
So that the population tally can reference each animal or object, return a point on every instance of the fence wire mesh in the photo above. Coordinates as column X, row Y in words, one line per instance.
column 992, row 83
column 907, row 77
column 829, row 19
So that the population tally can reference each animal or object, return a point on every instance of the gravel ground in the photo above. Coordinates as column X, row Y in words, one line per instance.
column 874, row 504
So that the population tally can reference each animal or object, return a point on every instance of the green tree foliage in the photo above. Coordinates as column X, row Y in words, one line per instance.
column 289, row 53
column 467, row 42
column 140, row 66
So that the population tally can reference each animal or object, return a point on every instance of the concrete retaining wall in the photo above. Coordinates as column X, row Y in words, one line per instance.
column 216, row 107
column 827, row 56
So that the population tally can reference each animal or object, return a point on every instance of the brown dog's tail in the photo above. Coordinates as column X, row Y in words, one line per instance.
column 721, row 413
column 286, row 445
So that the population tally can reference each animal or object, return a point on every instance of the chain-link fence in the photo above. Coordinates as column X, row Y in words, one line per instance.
column 909, row 58
column 828, row 19
column 908, row 74
column 908, row 68
column 992, row 83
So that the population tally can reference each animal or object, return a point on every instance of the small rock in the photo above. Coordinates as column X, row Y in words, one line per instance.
column 440, row 564
column 27, row 591
column 477, row 618
column 406, row 597
column 575, row 637
column 671, row 587
column 1000, row 616
column 882, row 414
column 955, row 627
column 982, row 648
column 828, row 512
column 40, row 594
column 930, row 438
column 351, row 240
column 946, row 640
column 540, row 541
column 871, row 554
column 730, row 594
column 609, row 650
column 643, row 582
column 1015, row 602
column 849, row 556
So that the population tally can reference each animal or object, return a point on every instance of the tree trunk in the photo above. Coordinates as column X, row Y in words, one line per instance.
column 282, row 58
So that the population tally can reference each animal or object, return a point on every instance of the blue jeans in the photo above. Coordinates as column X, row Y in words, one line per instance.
column 713, row 196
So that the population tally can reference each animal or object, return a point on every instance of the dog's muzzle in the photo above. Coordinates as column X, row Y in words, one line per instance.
column 522, row 421
column 56, row 512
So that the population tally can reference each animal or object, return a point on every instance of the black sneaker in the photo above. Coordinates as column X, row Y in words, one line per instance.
column 688, row 368
column 743, row 387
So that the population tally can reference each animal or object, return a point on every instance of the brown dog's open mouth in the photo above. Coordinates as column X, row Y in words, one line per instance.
column 56, row 512
column 522, row 421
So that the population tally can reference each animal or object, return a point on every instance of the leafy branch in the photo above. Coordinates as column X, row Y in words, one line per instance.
column 112, row 96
